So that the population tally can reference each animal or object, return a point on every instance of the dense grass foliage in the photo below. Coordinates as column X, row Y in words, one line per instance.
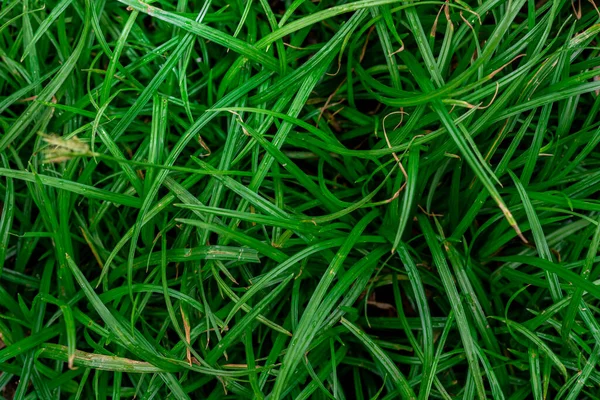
column 299, row 199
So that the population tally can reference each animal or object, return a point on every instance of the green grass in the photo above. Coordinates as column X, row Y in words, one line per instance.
column 369, row 199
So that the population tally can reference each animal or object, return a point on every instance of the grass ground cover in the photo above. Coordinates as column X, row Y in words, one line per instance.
column 371, row 199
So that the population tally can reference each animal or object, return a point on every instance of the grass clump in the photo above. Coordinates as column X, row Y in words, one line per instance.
column 299, row 199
